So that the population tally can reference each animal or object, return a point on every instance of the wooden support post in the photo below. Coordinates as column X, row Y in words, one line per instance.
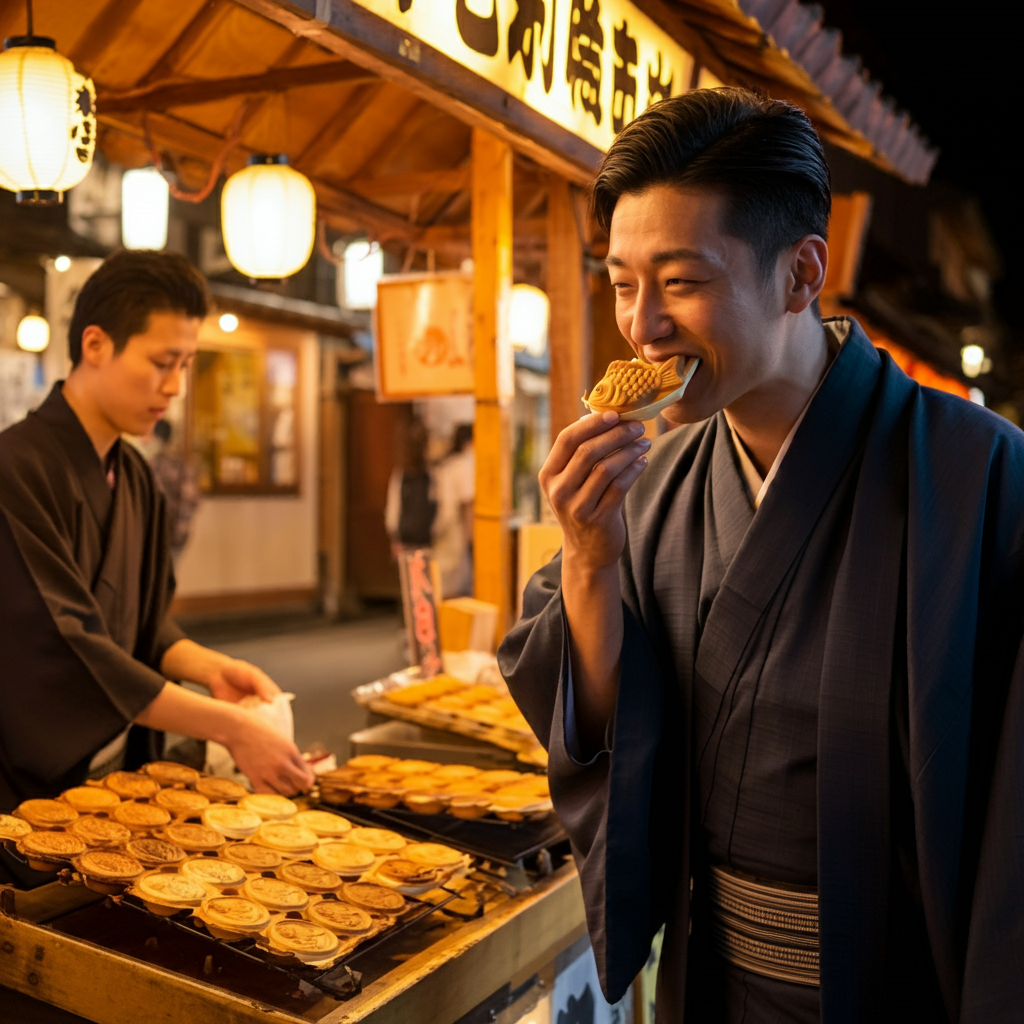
column 492, row 353
column 569, row 334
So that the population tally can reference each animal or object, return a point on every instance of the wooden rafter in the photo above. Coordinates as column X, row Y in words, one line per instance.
column 191, row 35
column 182, row 92
column 100, row 32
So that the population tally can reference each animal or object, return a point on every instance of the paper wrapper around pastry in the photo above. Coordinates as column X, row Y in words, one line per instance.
column 662, row 399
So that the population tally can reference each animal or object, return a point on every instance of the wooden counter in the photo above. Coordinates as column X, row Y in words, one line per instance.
column 467, row 962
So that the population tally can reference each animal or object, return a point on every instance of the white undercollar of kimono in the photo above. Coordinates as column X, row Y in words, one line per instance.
column 836, row 332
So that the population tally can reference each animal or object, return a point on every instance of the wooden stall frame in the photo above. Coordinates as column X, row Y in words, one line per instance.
column 436, row 986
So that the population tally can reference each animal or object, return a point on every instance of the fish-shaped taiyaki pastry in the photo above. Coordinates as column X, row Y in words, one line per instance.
column 637, row 390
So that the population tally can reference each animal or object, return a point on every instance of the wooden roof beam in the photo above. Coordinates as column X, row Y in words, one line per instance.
column 454, row 179
column 181, row 92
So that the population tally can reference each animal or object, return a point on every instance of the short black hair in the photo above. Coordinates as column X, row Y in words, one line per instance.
column 127, row 287
column 762, row 154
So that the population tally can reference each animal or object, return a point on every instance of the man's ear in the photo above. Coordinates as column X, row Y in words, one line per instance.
column 97, row 347
column 808, row 263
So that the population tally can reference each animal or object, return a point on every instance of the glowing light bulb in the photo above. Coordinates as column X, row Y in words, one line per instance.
column 33, row 333
column 529, row 316
column 228, row 322
column 972, row 360
column 62, row 263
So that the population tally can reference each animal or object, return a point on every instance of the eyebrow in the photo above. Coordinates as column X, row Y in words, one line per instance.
column 669, row 256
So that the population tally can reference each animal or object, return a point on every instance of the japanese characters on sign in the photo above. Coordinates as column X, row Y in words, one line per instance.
column 419, row 599
column 589, row 65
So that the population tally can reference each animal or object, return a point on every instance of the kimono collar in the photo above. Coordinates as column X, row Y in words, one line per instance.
column 60, row 418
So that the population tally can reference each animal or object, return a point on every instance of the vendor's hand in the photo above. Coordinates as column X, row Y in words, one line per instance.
column 586, row 476
column 272, row 763
column 235, row 679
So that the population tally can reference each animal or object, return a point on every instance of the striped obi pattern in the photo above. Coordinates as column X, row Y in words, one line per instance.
column 765, row 927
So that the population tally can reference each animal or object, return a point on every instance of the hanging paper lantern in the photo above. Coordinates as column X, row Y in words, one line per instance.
column 268, row 217
column 33, row 333
column 529, row 316
column 47, row 121
column 145, row 197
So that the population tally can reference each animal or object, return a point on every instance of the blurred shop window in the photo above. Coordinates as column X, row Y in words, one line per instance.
column 362, row 266
column 245, row 420
column 94, row 205
column 177, row 479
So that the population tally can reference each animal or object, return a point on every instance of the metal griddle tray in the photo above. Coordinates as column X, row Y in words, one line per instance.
column 338, row 980
column 503, row 842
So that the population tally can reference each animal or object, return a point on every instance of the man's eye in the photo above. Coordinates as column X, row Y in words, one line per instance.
column 163, row 366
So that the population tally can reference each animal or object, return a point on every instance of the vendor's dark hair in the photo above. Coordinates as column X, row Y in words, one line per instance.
column 127, row 287
column 762, row 154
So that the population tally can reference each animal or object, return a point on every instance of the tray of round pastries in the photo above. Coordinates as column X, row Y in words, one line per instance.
column 483, row 710
column 425, row 787
column 303, row 887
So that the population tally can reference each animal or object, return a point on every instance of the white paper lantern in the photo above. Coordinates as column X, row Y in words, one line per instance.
column 47, row 121
column 33, row 333
column 529, row 316
column 268, row 217
column 145, row 198
column 361, row 269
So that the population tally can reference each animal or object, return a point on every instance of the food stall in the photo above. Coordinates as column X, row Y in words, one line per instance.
column 448, row 136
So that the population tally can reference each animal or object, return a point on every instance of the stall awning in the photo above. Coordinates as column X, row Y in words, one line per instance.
column 783, row 46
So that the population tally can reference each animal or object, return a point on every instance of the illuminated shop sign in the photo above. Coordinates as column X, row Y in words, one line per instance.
column 590, row 67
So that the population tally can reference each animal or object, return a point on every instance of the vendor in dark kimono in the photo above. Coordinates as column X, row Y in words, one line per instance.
column 87, row 644
column 777, row 661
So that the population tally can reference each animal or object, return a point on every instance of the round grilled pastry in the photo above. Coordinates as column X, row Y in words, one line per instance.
column 46, row 814
column 252, row 857
column 155, row 853
column 193, row 838
column 218, row 789
column 344, row 858
column 166, row 893
column 269, row 806
column 221, row 874
column 46, row 851
column 170, row 773
column 182, row 803
column 323, row 823
column 100, row 831
column 132, row 785
column 311, row 877
column 451, row 772
column 342, row 918
column 91, row 799
column 275, row 894
column 230, row 821
column 493, row 780
column 434, row 855
column 464, row 787
column 378, row 899
column 107, row 871
column 400, row 871
column 12, row 828
column 304, row 940
column 370, row 762
column 413, row 767
column 470, row 805
column 378, row 840
column 233, row 917
column 425, row 803
column 283, row 836
column 141, row 817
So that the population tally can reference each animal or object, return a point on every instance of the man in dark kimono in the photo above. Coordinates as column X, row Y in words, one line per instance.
column 778, row 668
column 88, row 647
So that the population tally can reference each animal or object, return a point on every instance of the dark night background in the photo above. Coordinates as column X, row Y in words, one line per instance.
column 952, row 68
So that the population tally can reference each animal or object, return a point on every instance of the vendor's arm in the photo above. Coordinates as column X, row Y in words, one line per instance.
column 272, row 763
column 586, row 477
column 226, row 678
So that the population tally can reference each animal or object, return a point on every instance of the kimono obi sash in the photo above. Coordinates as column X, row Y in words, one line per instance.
column 765, row 927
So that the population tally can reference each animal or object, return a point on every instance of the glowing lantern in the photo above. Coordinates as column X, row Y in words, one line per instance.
column 363, row 267
column 528, row 319
column 145, row 197
column 33, row 333
column 268, row 217
column 47, row 121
